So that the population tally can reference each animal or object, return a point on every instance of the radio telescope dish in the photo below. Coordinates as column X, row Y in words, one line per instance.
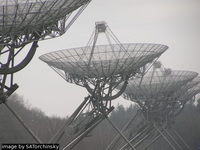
column 156, row 85
column 101, row 68
column 107, row 60
column 26, row 21
column 161, row 95
column 23, row 21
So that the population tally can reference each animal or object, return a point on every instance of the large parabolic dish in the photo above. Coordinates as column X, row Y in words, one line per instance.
column 22, row 21
column 101, row 68
column 26, row 21
column 107, row 60
column 109, row 64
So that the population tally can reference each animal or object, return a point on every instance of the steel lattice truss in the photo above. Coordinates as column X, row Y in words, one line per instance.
column 100, row 69
column 161, row 95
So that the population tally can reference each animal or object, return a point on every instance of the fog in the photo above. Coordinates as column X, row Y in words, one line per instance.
column 171, row 22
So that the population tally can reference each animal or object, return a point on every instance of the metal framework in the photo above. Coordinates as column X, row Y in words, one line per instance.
column 161, row 95
column 24, row 22
column 99, row 69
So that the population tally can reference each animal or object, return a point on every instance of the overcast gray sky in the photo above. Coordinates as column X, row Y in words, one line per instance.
column 175, row 23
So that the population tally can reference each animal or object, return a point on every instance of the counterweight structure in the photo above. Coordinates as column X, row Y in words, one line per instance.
column 99, row 69
column 24, row 22
column 161, row 95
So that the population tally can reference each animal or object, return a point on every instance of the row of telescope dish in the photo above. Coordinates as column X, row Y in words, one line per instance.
column 128, row 69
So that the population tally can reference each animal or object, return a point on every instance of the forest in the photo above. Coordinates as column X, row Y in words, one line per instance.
column 187, row 123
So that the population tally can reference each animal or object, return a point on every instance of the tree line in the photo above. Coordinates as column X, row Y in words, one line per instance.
column 187, row 124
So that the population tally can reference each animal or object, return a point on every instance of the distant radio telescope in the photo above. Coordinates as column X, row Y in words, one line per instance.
column 161, row 94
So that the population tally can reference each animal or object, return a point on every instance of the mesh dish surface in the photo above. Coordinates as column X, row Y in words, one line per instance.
column 18, row 15
column 107, row 60
column 156, row 85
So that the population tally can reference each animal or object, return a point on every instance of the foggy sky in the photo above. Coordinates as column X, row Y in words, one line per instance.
column 175, row 23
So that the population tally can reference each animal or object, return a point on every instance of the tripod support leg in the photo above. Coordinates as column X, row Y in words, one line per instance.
column 23, row 123
column 128, row 142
